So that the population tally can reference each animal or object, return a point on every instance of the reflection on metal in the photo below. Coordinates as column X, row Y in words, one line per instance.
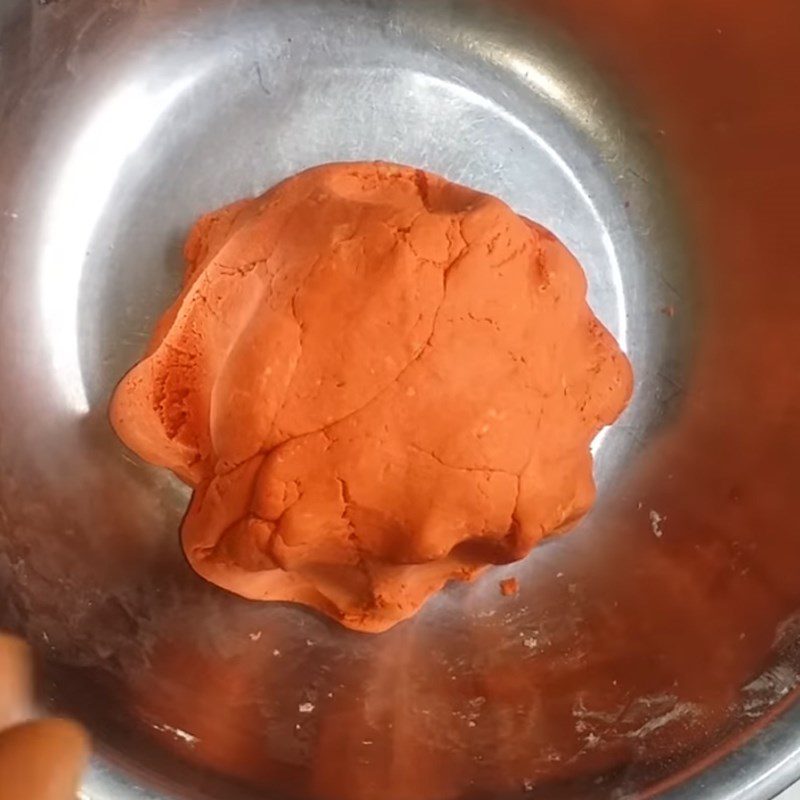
column 78, row 200
column 546, row 82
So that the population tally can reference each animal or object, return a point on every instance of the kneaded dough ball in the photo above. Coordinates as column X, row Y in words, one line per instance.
column 376, row 381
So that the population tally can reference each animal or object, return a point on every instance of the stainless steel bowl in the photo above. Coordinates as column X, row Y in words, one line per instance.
column 652, row 652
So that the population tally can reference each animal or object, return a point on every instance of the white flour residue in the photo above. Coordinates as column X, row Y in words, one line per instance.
column 663, row 699
column 586, row 717
column 656, row 521
column 471, row 714
column 649, row 714
column 787, row 633
column 681, row 712
column 768, row 689
column 591, row 724
column 592, row 740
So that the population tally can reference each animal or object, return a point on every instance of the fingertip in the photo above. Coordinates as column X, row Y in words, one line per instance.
column 43, row 759
column 16, row 681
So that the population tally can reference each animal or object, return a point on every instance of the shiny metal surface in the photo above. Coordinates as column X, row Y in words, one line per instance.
column 653, row 652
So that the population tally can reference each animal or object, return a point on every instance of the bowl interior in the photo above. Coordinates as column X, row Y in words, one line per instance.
column 640, row 643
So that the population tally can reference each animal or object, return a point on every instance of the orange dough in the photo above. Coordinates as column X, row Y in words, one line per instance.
column 509, row 587
column 376, row 381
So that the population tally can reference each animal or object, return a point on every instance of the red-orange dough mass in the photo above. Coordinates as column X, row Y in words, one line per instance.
column 376, row 381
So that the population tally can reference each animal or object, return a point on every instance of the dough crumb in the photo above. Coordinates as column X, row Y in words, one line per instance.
column 509, row 587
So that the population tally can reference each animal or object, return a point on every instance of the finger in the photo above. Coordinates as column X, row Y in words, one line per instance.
column 16, row 682
column 42, row 760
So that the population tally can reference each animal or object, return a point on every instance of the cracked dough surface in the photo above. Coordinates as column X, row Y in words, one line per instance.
column 376, row 381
